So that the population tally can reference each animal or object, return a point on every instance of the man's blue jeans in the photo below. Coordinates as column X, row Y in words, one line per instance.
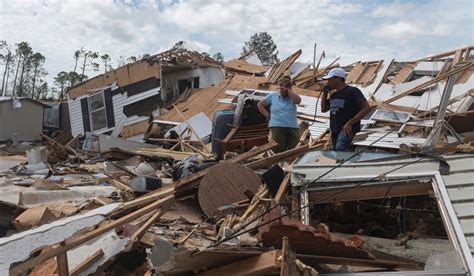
column 340, row 141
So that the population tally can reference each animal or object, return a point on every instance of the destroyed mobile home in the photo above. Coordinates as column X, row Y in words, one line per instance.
column 195, row 187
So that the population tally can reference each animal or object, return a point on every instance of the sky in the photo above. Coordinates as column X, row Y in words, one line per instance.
column 353, row 30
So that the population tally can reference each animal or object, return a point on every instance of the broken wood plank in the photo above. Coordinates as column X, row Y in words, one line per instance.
column 63, row 267
column 148, row 198
column 87, row 262
column 265, row 162
column 224, row 184
column 283, row 187
column 371, row 191
column 189, row 125
column 258, row 265
column 163, row 204
column 430, row 82
column 288, row 259
column 139, row 233
column 381, row 263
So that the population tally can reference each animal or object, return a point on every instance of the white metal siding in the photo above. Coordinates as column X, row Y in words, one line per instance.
column 75, row 116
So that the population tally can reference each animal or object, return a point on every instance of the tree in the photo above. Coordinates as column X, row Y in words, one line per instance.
column 77, row 55
column 73, row 78
column 179, row 45
column 218, row 57
column 106, row 61
column 7, row 57
column 37, row 60
column 61, row 81
column 26, row 52
column 92, row 56
column 131, row 59
column 42, row 90
column 264, row 47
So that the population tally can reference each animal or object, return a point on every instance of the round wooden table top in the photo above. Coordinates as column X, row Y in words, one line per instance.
column 224, row 184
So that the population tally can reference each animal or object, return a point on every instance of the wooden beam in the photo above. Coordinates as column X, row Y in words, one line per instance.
column 87, row 263
column 288, row 259
column 313, row 260
column 283, row 187
column 163, row 204
column 148, row 198
column 189, row 125
column 63, row 267
column 280, row 157
column 430, row 82
column 258, row 265
column 139, row 233
column 371, row 191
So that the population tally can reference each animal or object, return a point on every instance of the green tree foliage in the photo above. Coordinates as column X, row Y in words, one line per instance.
column 218, row 57
column 27, row 67
column 264, row 46
column 107, row 62
column 6, row 57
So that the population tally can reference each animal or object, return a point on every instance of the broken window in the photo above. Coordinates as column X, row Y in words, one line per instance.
column 97, row 111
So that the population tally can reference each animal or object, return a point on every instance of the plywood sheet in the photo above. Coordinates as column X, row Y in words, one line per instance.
column 356, row 70
column 404, row 74
column 224, row 184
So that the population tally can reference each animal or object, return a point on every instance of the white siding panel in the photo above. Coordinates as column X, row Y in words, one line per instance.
column 75, row 116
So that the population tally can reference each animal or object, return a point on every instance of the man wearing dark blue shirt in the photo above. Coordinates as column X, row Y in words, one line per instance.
column 347, row 105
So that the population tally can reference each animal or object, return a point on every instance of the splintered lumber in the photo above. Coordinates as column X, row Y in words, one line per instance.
column 148, row 198
column 189, row 125
column 139, row 233
column 264, row 263
column 224, row 184
column 283, row 187
column 288, row 258
column 380, row 263
column 162, row 204
column 253, row 152
column 63, row 267
column 430, row 82
column 87, row 262
column 265, row 162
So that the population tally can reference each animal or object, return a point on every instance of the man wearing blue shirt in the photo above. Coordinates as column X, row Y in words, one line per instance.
column 282, row 119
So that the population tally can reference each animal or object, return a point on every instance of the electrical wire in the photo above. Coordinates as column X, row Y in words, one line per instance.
column 236, row 234
column 303, row 187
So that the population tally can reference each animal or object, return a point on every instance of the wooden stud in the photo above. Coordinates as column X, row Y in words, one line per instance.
column 189, row 126
column 139, row 233
column 87, row 262
column 430, row 82
column 259, row 265
column 61, row 259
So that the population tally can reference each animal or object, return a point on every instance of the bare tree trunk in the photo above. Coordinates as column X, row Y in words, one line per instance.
column 84, row 66
column 4, row 75
column 16, row 74
column 34, row 80
column 20, row 87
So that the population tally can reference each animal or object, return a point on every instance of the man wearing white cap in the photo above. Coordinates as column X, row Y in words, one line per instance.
column 347, row 105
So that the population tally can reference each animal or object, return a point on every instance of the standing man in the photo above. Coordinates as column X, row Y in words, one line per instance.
column 282, row 119
column 348, row 106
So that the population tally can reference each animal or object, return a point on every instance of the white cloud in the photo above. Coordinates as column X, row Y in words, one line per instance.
column 392, row 10
column 401, row 30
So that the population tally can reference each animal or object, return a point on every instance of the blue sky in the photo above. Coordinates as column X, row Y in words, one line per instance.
column 353, row 30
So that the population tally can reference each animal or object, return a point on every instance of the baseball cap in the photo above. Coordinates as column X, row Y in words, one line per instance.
column 335, row 72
